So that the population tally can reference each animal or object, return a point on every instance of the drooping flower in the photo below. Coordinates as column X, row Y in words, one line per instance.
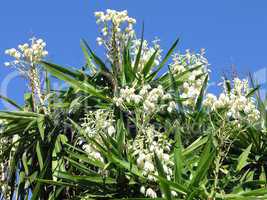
column 235, row 102
column 152, row 100
column 151, row 193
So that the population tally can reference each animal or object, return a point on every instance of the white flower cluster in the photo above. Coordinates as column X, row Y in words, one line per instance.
column 192, row 85
column 26, row 58
column 152, row 99
column 148, row 192
column 98, row 121
column 235, row 101
column 146, row 53
column 94, row 123
column 148, row 142
column 118, row 20
column 90, row 150
column 116, row 30
column 27, row 53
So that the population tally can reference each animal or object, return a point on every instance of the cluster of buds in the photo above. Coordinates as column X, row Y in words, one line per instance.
column 27, row 53
column 26, row 58
column 116, row 29
column 115, row 21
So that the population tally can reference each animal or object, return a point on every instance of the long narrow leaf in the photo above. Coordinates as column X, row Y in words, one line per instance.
column 163, row 62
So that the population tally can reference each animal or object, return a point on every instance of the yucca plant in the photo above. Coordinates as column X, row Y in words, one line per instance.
column 124, row 129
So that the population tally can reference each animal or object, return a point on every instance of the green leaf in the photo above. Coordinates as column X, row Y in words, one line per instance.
column 183, row 76
column 85, row 180
column 120, row 135
column 140, row 199
column 126, row 165
column 247, row 195
column 80, row 167
column 206, row 158
column 149, row 64
column 165, row 188
column 47, row 83
column 56, row 183
column 85, row 158
column 39, row 155
column 201, row 94
column 18, row 115
column 257, row 192
column 262, row 175
column 177, row 93
column 174, row 186
column 138, row 56
column 63, row 70
column 80, row 85
column 242, row 160
column 165, row 59
column 54, row 195
column 57, row 162
column 127, row 70
column 20, row 190
column 38, row 187
column 252, row 91
column 195, row 145
column 87, row 56
column 96, row 59
column 110, row 143
column 41, row 126
column 178, row 158
column 25, row 164
column 227, row 84
column 10, row 101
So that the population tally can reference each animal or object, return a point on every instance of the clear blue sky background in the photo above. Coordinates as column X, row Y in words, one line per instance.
column 233, row 32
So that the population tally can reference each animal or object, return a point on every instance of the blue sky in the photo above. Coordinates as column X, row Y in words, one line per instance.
column 234, row 33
